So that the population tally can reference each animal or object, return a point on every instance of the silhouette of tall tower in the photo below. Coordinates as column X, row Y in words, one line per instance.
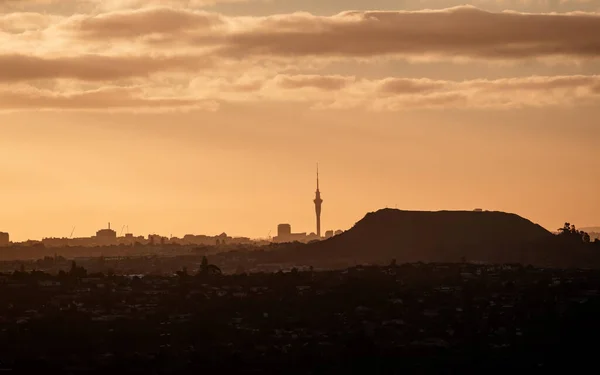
column 318, row 202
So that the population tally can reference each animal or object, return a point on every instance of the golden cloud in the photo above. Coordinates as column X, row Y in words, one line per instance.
column 323, row 92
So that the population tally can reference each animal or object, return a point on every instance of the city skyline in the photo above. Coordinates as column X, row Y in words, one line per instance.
column 110, row 234
column 150, row 233
column 78, row 232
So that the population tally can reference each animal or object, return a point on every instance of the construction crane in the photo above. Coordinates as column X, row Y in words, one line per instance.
column 122, row 228
column 72, row 231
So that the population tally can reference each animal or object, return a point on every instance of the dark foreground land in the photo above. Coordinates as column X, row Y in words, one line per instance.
column 412, row 318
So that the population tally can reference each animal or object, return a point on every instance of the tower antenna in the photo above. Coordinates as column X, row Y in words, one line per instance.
column 318, row 201
column 317, row 176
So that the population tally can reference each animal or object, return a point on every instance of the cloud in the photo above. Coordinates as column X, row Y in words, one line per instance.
column 392, row 94
column 107, row 99
column 130, row 24
column 456, row 32
column 17, row 68
column 136, row 4
column 107, row 5
column 313, row 81
column 445, row 100
column 395, row 86
column 463, row 31
column 22, row 21
column 311, row 91
column 182, row 57
column 537, row 91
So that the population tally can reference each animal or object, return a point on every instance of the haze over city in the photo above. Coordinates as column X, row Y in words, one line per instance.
column 182, row 117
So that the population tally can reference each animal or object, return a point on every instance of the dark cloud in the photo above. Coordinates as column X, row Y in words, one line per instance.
column 136, row 23
column 181, row 37
column 463, row 31
column 409, row 86
column 15, row 68
column 457, row 32
column 313, row 81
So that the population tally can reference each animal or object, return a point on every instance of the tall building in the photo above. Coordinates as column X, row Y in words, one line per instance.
column 4, row 239
column 106, row 237
column 318, row 201
column 284, row 230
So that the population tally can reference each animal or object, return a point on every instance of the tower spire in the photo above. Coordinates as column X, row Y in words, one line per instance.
column 318, row 201
column 317, row 176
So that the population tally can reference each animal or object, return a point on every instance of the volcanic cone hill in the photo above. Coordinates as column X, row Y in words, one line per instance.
column 411, row 236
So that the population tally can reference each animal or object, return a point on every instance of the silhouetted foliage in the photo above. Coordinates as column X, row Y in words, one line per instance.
column 77, row 272
column 183, row 274
column 569, row 231
column 207, row 269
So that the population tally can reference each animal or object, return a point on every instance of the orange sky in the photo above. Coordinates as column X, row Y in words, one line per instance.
column 183, row 117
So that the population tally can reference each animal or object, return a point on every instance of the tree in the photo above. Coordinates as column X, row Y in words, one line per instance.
column 183, row 274
column 77, row 271
column 585, row 236
column 565, row 230
column 207, row 269
column 570, row 232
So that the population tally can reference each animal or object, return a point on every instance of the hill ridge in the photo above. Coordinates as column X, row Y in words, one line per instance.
column 432, row 236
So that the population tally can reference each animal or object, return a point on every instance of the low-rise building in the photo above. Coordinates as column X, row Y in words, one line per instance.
column 4, row 239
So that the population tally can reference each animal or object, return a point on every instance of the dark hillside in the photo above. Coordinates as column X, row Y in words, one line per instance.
column 409, row 236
